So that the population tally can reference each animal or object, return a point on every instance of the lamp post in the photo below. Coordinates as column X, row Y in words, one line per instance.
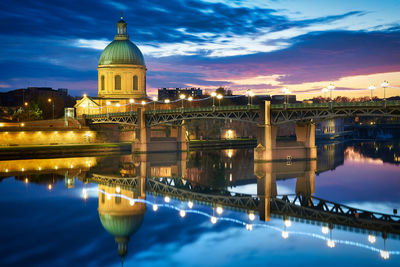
column 26, row 104
column 251, row 94
column 384, row 85
column 331, row 87
column 118, row 105
column 182, row 97
column 219, row 97
column 154, row 102
column 166, row 101
column 190, row 99
column 324, row 91
column 213, row 95
column 131, row 101
column 371, row 88
column 107, row 104
column 286, row 92
column 51, row 101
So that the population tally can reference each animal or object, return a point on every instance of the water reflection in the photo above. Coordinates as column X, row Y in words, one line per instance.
column 198, row 182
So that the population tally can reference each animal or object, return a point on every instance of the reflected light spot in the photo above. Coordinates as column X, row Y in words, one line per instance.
column 325, row 229
column 330, row 243
column 287, row 223
column 131, row 202
column 371, row 239
column 167, row 199
column 249, row 227
column 182, row 213
column 285, row 234
column 118, row 189
column 251, row 216
column 384, row 254
column 26, row 180
column 213, row 220
column 220, row 210
column 108, row 197
column 155, row 207
column 50, row 187
column 190, row 204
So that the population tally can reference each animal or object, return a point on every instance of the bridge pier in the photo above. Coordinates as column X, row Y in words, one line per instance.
column 269, row 150
column 142, row 134
column 266, row 188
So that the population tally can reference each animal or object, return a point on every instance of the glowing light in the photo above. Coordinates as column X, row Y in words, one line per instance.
column 371, row 239
column 56, row 167
column 155, row 98
column 287, row 223
column 166, row 101
column 108, row 103
column 251, row 216
column 330, row 243
column 72, row 166
column 331, row 87
column 182, row 213
column 108, row 197
column 371, row 87
column 213, row 220
column 131, row 101
column 220, row 210
column 143, row 102
column 26, row 180
column 325, row 90
column 84, row 191
column 22, row 124
column 325, row 230
column 249, row 227
column 182, row 96
column 251, row 94
column 50, row 187
column 219, row 96
column 190, row 204
column 286, row 91
column 39, row 168
column 84, row 95
column 384, row 254
column 118, row 105
column 49, row 100
column 131, row 202
column 1, row 124
column 213, row 94
column 385, row 84
column 155, row 207
column 167, row 199
column 190, row 98
column 6, row 170
column 118, row 189
column 285, row 234
column 85, row 196
column 22, row 169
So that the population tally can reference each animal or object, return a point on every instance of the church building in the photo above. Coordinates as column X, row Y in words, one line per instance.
column 121, row 77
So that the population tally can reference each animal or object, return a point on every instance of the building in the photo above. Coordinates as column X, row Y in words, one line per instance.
column 18, row 97
column 173, row 93
column 121, row 77
column 282, row 99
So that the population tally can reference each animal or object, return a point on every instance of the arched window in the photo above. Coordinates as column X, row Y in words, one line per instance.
column 135, row 82
column 102, row 82
column 117, row 82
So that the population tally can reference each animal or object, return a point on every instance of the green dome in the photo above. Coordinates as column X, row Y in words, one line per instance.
column 121, row 226
column 121, row 52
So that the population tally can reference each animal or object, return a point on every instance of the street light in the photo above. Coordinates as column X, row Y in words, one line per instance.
column 219, row 97
column 166, row 101
column 190, row 99
column 249, row 94
column 371, row 88
column 182, row 97
column 143, row 102
column 29, row 113
column 154, row 102
column 286, row 92
column 118, row 105
column 213, row 95
column 131, row 101
column 331, row 87
column 51, row 101
column 384, row 85
column 324, row 91
column 107, row 104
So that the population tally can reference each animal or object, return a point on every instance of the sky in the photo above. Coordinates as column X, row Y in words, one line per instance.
column 262, row 45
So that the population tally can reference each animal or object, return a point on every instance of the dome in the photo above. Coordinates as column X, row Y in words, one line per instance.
column 121, row 52
column 121, row 226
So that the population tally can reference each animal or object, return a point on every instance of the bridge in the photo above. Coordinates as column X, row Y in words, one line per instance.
column 296, row 206
column 267, row 116
column 280, row 113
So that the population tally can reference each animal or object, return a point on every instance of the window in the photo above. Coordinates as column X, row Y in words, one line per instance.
column 102, row 82
column 135, row 82
column 117, row 82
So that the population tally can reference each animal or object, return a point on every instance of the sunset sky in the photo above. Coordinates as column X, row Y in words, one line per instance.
column 263, row 45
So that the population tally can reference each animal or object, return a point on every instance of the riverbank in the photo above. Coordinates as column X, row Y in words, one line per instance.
column 34, row 151
column 224, row 143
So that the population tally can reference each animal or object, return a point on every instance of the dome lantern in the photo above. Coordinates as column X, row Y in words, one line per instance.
column 121, row 30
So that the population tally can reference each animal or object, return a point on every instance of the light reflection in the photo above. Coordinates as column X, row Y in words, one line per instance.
column 251, row 216
column 131, row 202
column 155, row 207
column 182, row 213
column 384, row 254
column 325, row 230
column 330, row 243
column 219, row 210
column 287, row 223
column 249, row 227
column 50, row 187
column 190, row 204
column 213, row 220
column 285, row 234
column 167, row 199
column 371, row 239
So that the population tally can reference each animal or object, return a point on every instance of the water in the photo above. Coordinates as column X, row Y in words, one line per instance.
column 79, row 212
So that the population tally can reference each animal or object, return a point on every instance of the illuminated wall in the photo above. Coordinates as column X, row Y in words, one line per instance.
column 47, row 137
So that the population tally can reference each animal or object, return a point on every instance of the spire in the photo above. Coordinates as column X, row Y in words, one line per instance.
column 121, row 15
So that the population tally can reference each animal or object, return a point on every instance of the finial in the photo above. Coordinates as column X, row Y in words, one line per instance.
column 121, row 15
